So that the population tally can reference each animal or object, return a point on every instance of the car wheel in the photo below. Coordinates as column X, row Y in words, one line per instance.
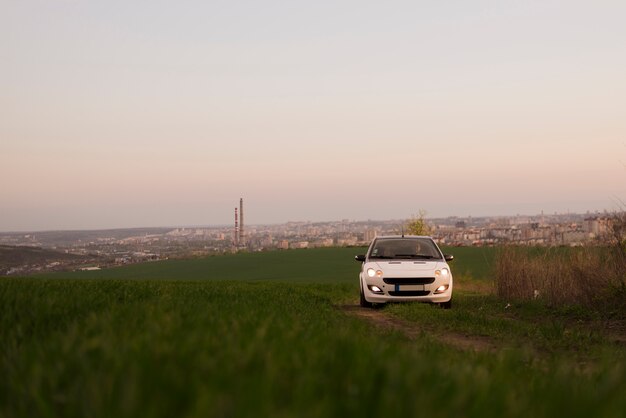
column 363, row 302
column 446, row 305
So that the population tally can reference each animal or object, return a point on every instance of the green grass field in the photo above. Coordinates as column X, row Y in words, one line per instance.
column 273, row 334
column 319, row 265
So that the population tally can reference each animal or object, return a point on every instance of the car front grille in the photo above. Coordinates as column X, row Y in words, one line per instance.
column 409, row 293
column 409, row 280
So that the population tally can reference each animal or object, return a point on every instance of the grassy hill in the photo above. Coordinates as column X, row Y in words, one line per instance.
column 316, row 265
column 275, row 334
column 330, row 265
column 13, row 256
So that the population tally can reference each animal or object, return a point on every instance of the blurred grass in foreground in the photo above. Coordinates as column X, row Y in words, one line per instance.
column 107, row 348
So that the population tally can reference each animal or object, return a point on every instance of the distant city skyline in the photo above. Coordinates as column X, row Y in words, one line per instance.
column 231, row 227
column 134, row 114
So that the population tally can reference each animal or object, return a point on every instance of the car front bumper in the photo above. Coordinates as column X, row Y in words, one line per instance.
column 406, row 293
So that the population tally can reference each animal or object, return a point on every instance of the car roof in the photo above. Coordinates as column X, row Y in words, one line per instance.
column 402, row 236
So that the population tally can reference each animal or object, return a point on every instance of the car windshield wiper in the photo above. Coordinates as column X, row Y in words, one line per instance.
column 382, row 256
column 415, row 256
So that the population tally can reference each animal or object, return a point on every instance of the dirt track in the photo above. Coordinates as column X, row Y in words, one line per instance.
column 380, row 319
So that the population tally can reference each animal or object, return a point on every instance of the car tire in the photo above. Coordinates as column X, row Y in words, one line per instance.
column 363, row 302
column 446, row 305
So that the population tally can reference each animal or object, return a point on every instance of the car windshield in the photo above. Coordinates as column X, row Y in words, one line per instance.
column 405, row 248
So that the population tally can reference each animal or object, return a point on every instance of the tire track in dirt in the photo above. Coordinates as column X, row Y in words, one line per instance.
column 414, row 331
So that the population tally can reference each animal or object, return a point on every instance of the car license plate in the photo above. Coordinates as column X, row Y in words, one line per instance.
column 409, row 287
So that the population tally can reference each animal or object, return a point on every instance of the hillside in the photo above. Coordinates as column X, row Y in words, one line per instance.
column 281, row 334
column 15, row 256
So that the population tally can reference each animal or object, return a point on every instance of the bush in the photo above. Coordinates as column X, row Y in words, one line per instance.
column 588, row 276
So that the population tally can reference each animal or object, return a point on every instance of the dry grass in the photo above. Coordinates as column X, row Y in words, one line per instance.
column 577, row 276
column 588, row 276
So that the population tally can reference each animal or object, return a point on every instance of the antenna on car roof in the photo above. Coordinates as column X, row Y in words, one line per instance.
column 403, row 231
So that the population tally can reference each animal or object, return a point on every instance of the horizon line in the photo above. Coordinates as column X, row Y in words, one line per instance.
column 25, row 231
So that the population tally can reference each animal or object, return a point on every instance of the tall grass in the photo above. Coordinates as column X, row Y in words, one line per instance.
column 588, row 276
column 175, row 348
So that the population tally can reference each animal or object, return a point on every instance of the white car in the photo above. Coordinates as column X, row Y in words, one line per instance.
column 405, row 268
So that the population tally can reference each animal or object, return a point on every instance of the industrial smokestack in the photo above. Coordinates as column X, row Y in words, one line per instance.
column 236, row 237
column 242, row 241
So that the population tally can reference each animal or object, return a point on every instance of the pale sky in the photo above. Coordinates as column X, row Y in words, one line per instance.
column 157, row 113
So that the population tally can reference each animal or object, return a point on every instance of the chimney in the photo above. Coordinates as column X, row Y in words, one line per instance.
column 242, row 241
column 236, row 237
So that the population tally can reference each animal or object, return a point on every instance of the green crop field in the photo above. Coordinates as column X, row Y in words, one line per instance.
column 279, row 334
column 320, row 265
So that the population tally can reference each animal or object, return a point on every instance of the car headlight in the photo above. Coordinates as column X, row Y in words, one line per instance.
column 371, row 273
column 442, row 273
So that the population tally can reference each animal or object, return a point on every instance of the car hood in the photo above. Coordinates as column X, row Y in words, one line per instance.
column 407, row 266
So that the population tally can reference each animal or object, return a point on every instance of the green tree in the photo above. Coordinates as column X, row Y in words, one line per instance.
column 417, row 225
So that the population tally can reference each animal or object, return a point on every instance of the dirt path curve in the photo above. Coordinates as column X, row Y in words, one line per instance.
column 414, row 331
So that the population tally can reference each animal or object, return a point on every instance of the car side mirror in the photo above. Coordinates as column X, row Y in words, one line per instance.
column 360, row 258
column 448, row 257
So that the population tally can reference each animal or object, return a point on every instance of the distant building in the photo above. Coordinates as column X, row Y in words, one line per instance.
column 369, row 235
column 596, row 225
